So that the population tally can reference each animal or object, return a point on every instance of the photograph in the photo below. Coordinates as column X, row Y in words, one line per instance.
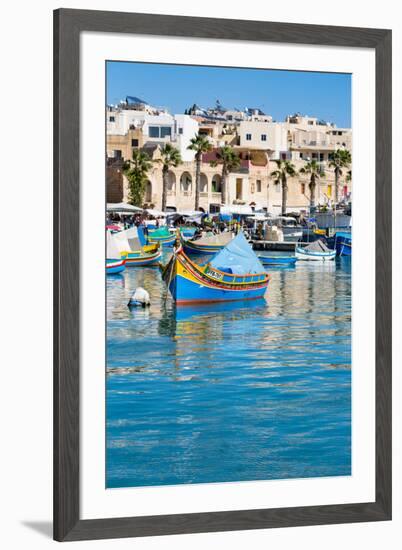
column 228, row 274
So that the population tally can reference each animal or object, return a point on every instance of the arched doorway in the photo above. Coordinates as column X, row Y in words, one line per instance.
column 171, row 185
column 186, row 182
column 203, row 183
column 217, row 184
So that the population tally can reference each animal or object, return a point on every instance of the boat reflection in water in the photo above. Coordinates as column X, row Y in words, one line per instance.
column 233, row 391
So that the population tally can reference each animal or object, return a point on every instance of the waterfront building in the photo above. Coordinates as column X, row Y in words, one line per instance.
column 256, row 138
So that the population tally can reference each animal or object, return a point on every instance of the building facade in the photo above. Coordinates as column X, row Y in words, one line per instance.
column 258, row 141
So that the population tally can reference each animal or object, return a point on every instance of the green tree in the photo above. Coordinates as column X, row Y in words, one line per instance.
column 170, row 158
column 200, row 145
column 230, row 161
column 136, row 171
column 284, row 168
column 312, row 168
column 341, row 158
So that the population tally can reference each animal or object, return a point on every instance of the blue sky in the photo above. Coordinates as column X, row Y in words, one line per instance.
column 278, row 93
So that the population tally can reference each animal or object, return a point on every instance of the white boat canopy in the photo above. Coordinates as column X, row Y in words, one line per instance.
column 122, row 207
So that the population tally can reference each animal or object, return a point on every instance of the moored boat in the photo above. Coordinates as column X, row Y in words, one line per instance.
column 133, row 252
column 343, row 243
column 114, row 262
column 316, row 251
column 133, row 259
column 208, row 245
column 115, row 266
column 235, row 273
column 285, row 261
column 161, row 236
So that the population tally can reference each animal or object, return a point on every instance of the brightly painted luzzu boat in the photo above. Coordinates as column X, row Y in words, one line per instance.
column 132, row 250
column 115, row 266
column 162, row 236
column 114, row 262
column 142, row 258
column 208, row 245
column 218, row 280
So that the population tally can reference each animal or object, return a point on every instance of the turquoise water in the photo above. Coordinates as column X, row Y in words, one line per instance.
column 230, row 392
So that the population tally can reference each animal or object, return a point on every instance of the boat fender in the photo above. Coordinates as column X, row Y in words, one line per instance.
column 140, row 297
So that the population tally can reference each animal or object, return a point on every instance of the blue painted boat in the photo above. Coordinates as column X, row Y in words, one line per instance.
column 187, row 232
column 115, row 266
column 209, row 245
column 343, row 243
column 160, row 236
column 285, row 261
column 235, row 273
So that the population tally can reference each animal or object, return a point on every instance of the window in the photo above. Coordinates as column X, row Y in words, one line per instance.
column 248, row 137
column 263, row 137
column 258, row 186
column 314, row 155
column 112, row 119
column 303, row 188
column 180, row 131
column 301, row 155
column 159, row 131
column 166, row 131
column 134, row 143
column 153, row 131
column 321, row 157
column 310, row 122
column 117, row 154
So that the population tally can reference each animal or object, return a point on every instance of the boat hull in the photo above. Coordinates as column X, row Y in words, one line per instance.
column 302, row 254
column 115, row 266
column 134, row 259
column 343, row 244
column 191, row 247
column 282, row 261
column 189, row 283
column 163, row 241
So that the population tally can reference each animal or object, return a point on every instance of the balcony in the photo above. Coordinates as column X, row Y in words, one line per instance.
column 216, row 197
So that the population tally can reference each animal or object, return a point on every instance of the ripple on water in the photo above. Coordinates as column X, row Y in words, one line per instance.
column 230, row 392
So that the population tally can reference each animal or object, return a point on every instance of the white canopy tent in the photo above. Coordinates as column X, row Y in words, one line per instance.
column 122, row 208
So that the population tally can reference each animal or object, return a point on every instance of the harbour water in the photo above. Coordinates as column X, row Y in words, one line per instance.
column 230, row 392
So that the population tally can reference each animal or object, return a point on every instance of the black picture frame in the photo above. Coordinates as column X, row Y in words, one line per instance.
column 68, row 25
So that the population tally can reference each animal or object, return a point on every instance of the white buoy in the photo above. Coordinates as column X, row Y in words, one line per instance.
column 140, row 297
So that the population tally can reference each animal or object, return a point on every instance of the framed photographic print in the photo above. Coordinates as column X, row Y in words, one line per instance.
column 222, row 357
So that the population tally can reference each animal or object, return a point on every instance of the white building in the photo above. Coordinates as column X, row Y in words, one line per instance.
column 264, row 135
column 156, row 128
column 185, row 129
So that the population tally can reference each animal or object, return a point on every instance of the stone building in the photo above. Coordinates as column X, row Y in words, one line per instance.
column 256, row 138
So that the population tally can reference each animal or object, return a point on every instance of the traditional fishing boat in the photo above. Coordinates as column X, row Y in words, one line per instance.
column 285, row 261
column 343, row 243
column 208, row 245
column 114, row 262
column 316, row 251
column 133, row 252
column 161, row 236
column 234, row 273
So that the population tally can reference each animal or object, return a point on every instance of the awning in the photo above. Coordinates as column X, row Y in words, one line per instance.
column 122, row 207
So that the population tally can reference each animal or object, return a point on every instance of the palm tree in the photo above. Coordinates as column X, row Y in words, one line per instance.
column 314, row 169
column 200, row 145
column 170, row 158
column 136, row 171
column 341, row 158
column 230, row 161
column 284, row 169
